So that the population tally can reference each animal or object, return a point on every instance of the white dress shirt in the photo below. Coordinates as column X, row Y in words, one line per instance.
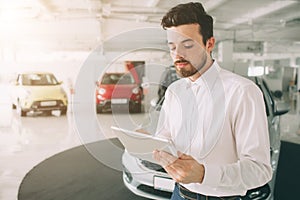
column 220, row 120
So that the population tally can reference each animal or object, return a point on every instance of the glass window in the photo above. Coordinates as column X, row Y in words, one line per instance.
column 39, row 79
column 117, row 79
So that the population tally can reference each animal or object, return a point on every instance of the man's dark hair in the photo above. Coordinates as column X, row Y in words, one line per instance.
column 190, row 13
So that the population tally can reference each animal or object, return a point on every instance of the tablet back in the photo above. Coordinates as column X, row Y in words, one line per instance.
column 142, row 145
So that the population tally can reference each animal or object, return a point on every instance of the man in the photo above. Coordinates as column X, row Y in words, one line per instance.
column 215, row 118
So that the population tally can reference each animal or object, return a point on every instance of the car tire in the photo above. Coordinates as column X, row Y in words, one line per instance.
column 99, row 110
column 63, row 111
column 137, row 108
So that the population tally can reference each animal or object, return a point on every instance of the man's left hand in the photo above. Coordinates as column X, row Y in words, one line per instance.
column 184, row 169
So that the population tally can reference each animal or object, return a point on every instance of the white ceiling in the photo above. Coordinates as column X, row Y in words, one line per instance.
column 81, row 25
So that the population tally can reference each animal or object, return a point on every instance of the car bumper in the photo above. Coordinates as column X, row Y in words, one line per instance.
column 44, row 105
column 139, row 179
column 107, row 105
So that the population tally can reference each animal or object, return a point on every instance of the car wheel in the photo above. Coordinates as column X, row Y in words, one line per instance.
column 99, row 109
column 137, row 108
column 63, row 112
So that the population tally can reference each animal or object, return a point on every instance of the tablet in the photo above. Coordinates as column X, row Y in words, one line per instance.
column 142, row 145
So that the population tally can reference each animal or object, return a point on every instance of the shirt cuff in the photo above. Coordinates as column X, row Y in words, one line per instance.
column 212, row 175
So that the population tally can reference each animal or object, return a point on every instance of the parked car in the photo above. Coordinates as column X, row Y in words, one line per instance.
column 38, row 91
column 167, row 77
column 151, row 180
column 117, row 91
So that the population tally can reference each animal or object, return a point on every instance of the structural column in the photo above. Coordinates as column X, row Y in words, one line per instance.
column 225, row 54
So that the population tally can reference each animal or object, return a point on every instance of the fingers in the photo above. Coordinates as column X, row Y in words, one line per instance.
column 142, row 131
column 164, row 158
column 173, row 172
column 183, row 156
column 184, row 169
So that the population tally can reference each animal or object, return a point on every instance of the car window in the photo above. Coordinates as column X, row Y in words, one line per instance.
column 268, row 99
column 117, row 79
column 38, row 79
column 269, row 93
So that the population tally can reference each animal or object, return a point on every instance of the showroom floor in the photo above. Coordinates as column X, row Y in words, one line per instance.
column 27, row 141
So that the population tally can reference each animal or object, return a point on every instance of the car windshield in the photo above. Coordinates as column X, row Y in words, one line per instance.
column 38, row 79
column 117, row 79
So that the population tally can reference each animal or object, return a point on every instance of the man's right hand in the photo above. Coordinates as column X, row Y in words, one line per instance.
column 184, row 169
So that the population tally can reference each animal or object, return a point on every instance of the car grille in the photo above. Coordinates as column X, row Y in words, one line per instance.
column 37, row 104
column 152, row 190
column 153, row 166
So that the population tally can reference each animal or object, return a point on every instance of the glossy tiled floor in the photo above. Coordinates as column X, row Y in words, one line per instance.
column 26, row 141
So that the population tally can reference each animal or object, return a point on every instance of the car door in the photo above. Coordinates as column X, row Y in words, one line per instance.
column 274, row 127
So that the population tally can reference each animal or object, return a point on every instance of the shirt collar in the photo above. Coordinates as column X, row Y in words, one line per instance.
column 208, row 78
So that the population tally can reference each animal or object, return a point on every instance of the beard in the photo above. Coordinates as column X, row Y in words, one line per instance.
column 183, row 73
column 191, row 69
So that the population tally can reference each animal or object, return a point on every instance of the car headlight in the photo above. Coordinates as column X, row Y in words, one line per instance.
column 136, row 90
column 128, row 176
column 101, row 91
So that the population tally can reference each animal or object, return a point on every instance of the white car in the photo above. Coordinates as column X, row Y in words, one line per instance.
column 38, row 91
column 151, row 181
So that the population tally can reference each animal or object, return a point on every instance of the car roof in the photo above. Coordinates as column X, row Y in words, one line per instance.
column 117, row 73
column 35, row 72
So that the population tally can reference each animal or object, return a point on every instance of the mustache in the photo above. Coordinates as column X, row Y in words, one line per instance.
column 180, row 60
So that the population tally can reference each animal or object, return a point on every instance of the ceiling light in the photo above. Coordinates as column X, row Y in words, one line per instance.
column 256, row 71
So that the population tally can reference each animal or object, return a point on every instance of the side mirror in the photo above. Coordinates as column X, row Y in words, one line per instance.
column 156, row 103
column 153, row 102
column 281, row 108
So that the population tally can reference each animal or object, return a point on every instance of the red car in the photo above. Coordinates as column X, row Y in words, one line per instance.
column 117, row 91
